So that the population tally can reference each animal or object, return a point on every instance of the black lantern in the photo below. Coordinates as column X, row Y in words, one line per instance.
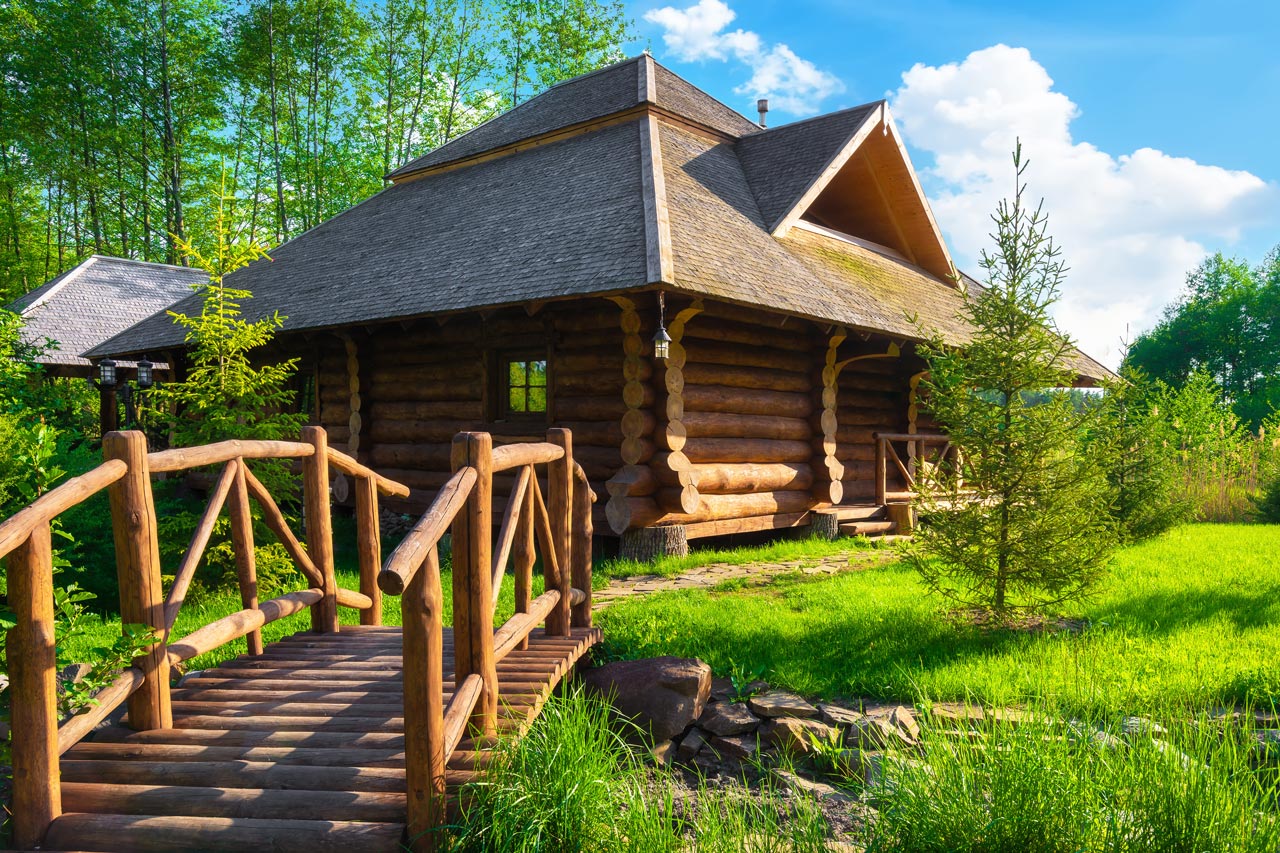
column 145, row 378
column 661, row 340
column 107, row 373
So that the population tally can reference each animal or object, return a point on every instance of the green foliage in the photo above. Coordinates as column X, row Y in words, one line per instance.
column 1187, row 620
column 1047, row 786
column 1032, row 528
column 1266, row 504
column 1140, row 465
column 117, row 150
column 1225, row 325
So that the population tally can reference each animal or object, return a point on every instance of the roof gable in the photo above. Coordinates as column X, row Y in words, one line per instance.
column 96, row 300
column 849, row 173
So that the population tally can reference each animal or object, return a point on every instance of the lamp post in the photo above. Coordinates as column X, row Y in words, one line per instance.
column 112, row 387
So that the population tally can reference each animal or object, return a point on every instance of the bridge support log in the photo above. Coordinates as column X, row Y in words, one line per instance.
column 559, row 510
column 473, row 579
column 319, row 523
column 32, row 664
column 133, row 523
column 423, row 645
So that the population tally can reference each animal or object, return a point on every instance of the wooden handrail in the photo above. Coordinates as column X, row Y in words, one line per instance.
column 235, row 625
column 184, row 458
column 355, row 600
column 276, row 523
column 199, row 541
column 542, row 527
column 508, row 456
column 510, row 523
column 15, row 530
column 399, row 569
column 465, row 698
column 922, row 437
column 105, row 701
column 351, row 467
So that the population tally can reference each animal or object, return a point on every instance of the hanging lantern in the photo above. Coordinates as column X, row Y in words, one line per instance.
column 145, row 376
column 107, row 373
column 661, row 340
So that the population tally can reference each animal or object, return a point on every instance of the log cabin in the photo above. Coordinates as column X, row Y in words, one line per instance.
column 518, row 277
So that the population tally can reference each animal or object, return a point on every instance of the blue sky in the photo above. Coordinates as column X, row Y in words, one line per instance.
column 1154, row 128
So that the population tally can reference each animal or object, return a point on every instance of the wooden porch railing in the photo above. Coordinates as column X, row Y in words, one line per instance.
column 918, row 447
column 560, row 527
column 25, row 540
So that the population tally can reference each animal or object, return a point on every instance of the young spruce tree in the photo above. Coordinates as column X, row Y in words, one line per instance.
column 1032, row 527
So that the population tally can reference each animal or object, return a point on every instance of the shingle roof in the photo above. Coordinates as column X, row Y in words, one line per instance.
column 783, row 161
column 615, row 88
column 96, row 300
column 571, row 216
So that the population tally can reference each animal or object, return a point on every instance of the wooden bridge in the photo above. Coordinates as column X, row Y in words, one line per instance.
column 339, row 738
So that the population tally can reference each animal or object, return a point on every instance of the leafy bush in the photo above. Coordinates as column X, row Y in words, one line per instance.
column 1266, row 504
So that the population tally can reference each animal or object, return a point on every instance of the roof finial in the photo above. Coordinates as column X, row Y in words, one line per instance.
column 763, row 106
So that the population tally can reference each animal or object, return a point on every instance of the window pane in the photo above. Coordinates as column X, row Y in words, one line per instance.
column 515, row 373
column 537, row 400
column 538, row 374
column 516, row 399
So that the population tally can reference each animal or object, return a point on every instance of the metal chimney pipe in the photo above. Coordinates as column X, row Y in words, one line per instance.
column 763, row 106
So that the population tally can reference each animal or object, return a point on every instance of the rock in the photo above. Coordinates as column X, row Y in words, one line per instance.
column 691, row 744
column 728, row 718
column 721, row 689
column 800, row 786
column 1134, row 726
column 905, row 720
column 795, row 736
column 874, row 733
column 664, row 753
column 74, row 673
column 955, row 714
column 839, row 715
column 778, row 703
column 741, row 747
column 660, row 695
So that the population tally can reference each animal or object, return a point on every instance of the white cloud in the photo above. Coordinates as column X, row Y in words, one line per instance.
column 698, row 32
column 1130, row 226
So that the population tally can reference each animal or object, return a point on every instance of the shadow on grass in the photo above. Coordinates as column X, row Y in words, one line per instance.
column 1167, row 612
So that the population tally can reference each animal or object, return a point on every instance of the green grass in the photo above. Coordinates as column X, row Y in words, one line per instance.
column 786, row 549
column 1190, row 619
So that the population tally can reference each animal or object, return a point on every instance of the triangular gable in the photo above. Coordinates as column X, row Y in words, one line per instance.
column 869, row 192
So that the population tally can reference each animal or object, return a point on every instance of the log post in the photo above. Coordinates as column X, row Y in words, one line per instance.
column 133, row 524
column 369, row 548
column 473, row 579
column 33, row 690
column 525, row 557
column 423, row 654
column 242, row 546
column 646, row 544
column 880, row 474
column 319, row 524
column 560, row 512
column 581, row 531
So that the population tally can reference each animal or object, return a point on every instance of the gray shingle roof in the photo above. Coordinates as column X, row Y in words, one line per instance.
column 603, row 92
column 96, row 300
column 782, row 162
column 567, row 217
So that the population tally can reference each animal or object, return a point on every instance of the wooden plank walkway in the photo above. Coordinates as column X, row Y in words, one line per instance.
column 300, row 748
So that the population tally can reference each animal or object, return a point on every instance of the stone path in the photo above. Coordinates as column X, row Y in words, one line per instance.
column 705, row 577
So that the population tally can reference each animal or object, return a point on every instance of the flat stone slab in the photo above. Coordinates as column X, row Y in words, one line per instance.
column 779, row 703
column 728, row 718
column 740, row 747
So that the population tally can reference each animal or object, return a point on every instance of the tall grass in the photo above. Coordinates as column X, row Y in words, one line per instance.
column 572, row 784
column 1219, row 480
column 1046, row 785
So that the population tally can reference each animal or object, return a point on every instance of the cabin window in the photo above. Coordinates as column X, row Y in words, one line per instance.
column 524, row 384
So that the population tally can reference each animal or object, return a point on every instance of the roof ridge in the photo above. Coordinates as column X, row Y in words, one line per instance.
column 65, row 279
column 709, row 96
column 820, row 117
column 140, row 262
column 611, row 66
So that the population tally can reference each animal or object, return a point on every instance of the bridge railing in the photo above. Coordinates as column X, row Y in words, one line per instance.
column 558, row 525
column 26, row 541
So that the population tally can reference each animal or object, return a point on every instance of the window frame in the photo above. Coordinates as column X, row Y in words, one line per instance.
column 503, row 386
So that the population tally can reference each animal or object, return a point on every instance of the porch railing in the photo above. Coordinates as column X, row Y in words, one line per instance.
column 932, row 449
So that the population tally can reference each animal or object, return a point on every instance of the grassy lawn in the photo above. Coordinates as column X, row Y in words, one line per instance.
column 1192, row 618
column 782, row 550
